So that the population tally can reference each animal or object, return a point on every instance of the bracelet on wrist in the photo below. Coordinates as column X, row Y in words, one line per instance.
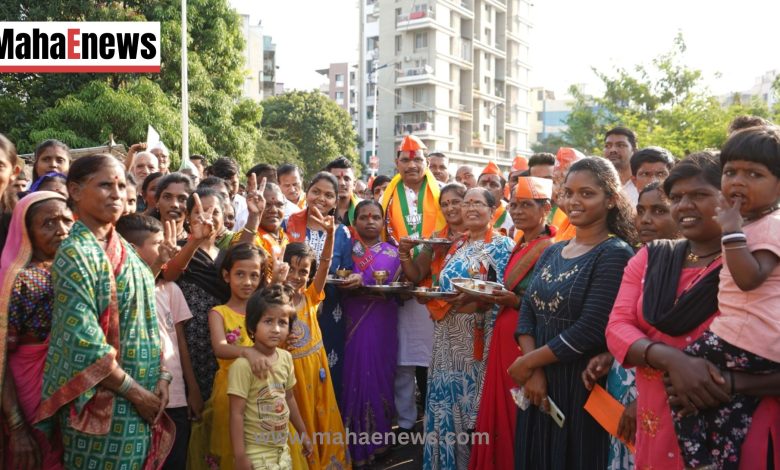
column 126, row 385
column 166, row 376
column 646, row 351
column 733, row 237
column 15, row 420
column 735, row 247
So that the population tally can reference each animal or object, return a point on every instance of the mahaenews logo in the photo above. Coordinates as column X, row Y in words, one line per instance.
column 67, row 47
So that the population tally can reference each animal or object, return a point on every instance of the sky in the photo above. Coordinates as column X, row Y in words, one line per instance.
column 732, row 43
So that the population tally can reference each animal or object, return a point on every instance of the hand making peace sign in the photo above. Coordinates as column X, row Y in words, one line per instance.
column 201, row 222
column 255, row 201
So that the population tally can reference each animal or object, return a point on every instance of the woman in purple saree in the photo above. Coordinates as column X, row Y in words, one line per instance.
column 371, row 341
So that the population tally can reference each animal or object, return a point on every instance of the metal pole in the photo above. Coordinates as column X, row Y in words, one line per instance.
column 376, row 102
column 185, row 122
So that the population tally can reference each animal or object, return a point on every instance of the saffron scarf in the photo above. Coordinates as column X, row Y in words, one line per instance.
column 566, row 231
column 17, row 253
column 395, row 224
column 296, row 226
column 499, row 217
column 526, row 255
column 438, row 307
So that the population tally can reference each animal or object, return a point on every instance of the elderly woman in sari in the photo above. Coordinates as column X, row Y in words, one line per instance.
column 40, row 222
column 497, row 416
column 430, row 261
column 103, row 382
column 462, row 336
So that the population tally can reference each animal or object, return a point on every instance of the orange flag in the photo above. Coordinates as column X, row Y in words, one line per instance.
column 606, row 411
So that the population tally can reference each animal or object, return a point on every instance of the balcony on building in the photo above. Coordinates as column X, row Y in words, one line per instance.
column 420, row 129
column 422, row 16
column 415, row 75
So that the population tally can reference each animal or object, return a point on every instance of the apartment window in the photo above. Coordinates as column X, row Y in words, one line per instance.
column 420, row 40
column 539, row 116
column 486, row 130
column 420, row 96
column 372, row 43
column 540, row 95
column 488, row 35
column 398, row 44
column 339, row 96
column 487, row 84
column 339, row 79
column 488, row 11
column 488, row 62
column 397, row 97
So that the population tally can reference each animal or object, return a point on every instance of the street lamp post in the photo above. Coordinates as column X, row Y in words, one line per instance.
column 375, row 76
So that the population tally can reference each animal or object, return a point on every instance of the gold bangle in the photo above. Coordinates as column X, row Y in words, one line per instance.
column 15, row 420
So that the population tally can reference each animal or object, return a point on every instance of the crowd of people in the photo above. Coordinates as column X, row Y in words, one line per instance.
column 160, row 319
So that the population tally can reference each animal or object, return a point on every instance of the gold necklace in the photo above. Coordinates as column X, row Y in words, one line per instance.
column 694, row 258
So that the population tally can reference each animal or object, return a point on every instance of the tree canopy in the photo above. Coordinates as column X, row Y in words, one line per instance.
column 318, row 128
column 665, row 103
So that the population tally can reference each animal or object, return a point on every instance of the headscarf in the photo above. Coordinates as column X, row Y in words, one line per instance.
column 16, row 255
column 50, row 175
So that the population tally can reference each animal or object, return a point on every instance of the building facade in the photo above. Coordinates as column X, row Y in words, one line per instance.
column 260, row 61
column 454, row 73
column 341, row 87
column 548, row 114
column 762, row 90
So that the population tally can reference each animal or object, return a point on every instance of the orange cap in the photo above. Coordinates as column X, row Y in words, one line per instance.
column 531, row 187
column 519, row 164
column 566, row 156
column 412, row 143
column 491, row 169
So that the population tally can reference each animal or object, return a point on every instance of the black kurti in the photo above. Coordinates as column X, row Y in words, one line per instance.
column 566, row 307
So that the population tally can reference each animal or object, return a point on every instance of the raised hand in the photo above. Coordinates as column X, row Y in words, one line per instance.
column 279, row 271
column 201, row 222
column 728, row 215
column 168, row 247
column 255, row 201
column 325, row 221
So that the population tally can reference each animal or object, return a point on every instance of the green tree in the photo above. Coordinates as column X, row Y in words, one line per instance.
column 318, row 128
column 665, row 103
column 229, row 124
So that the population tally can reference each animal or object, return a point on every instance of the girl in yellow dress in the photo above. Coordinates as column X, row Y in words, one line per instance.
column 242, row 269
column 314, row 389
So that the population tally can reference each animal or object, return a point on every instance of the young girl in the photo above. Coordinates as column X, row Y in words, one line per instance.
column 744, row 337
column 260, row 431
column 314, row 392
column 242, row 270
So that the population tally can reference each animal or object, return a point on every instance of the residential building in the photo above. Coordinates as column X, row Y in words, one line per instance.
column 549, row 114
column 452, row 72
column 762, row 90
column 341, row 87
column 260, row 60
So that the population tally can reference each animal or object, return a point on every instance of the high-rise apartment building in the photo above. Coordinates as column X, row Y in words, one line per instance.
column 259, row 60
column 342, row 87
column 452, row 72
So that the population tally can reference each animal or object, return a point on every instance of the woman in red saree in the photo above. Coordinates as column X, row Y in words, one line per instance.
column 103, row 382
column 39, row 223
column 497, row 415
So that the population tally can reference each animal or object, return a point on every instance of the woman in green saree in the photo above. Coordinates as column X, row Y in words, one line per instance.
column 103, row 383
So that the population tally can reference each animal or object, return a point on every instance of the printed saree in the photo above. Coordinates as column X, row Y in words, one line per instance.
column 24, row 362
column 104, row 316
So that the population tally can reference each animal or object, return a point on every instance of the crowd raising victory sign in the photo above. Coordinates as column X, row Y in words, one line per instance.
column 556, row 312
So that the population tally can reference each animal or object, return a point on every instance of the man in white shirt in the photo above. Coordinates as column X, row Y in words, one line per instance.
column 619, row 145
